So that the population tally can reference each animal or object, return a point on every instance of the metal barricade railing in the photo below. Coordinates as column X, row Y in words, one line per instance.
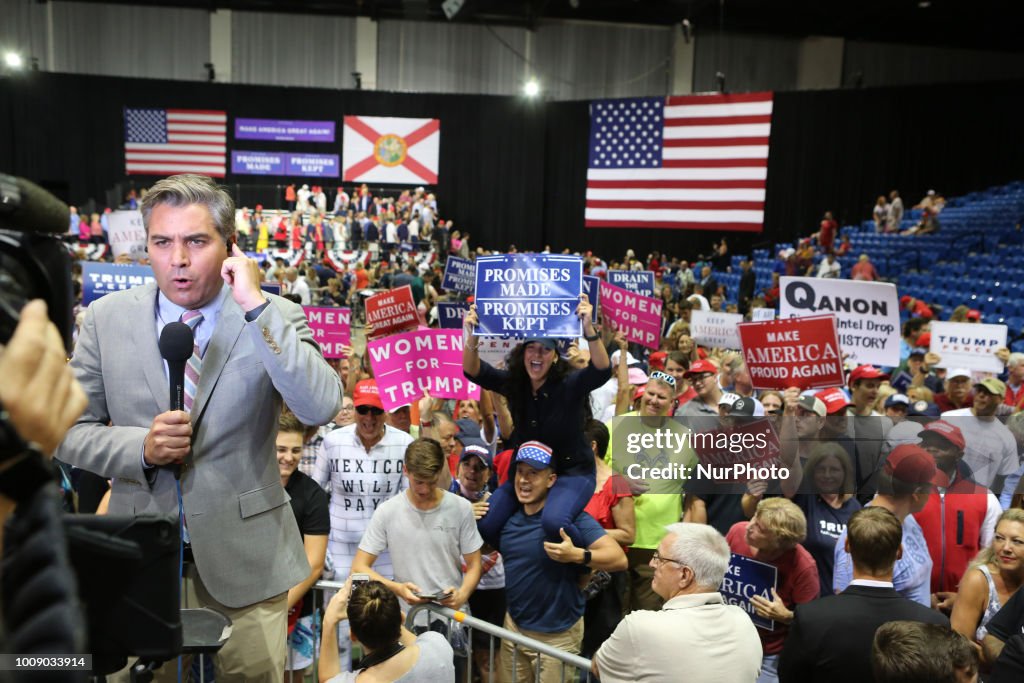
column 495, row 635
column 518, row 641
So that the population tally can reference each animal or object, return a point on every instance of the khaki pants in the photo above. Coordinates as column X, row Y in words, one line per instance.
column 257, row 647
column 526, row 661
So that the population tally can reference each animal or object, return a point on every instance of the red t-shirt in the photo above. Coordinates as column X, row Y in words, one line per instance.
column 685, row 397
column 602, row 502
column 798, row 581
column 827, row 235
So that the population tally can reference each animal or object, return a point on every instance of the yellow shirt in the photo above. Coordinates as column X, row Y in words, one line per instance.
column 663, row 464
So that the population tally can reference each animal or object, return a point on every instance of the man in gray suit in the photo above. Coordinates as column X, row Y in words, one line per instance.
column 253, row 352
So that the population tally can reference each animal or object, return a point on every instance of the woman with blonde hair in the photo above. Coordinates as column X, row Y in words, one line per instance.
column 884, row 392
column 994, row 575
column 773, row 537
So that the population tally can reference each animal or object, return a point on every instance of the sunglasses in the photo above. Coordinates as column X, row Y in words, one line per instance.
column 371, row 410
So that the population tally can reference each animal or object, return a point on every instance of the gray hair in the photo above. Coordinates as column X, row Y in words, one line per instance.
column 440, row 419
column 187, row 189
column 1014, row 360
column 703, row 549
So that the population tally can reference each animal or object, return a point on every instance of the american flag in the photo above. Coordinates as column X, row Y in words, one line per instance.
column 169, row 141
column 696, row 162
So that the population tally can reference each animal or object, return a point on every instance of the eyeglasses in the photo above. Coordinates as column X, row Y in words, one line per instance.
column 372, row 410
column 700, row 379
column 658, row 559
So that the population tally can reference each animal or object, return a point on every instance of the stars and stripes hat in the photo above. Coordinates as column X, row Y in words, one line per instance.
column 534, row 453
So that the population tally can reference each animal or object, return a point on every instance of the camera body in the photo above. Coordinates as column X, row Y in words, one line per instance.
column 34, row 263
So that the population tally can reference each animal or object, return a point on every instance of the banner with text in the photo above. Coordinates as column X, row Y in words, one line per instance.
column 793, row 352
column 284, row 131
column 968, row 345
column 331, row 328
column 312, row 165
column 257, row 163
column 99, row 279
column 867, row 314
column 715, row 330
column 284, row 163
column 592, row 288
column 637, row 281
column 529, row 295
column 636, row 315
column 746, row 578
column 760, row 314
column 126, row 234
column 450, row 314
column 494, row 350
column 458, row 275
column 408, row 364
column 391, row 311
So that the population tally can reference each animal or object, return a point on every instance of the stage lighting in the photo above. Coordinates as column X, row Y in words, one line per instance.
column 13, row 60
column 532, row 88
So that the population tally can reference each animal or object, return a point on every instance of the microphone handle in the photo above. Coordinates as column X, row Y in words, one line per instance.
column 176, row 373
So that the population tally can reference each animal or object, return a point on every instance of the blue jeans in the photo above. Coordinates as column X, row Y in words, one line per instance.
column 769, row 669
column 565, row 501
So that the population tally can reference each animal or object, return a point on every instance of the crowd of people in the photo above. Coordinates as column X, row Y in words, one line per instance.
column 896, row 535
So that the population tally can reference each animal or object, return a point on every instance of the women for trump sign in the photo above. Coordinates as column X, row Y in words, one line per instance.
column 407, row 365
column 637, row 316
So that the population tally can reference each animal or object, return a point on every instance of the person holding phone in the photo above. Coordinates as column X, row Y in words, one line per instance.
column 429, row 533
column 392, row 652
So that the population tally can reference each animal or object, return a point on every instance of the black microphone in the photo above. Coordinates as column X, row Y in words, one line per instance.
column 176, row 343
column 27, row 207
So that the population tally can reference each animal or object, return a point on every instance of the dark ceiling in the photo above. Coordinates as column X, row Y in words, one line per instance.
column 977, row 24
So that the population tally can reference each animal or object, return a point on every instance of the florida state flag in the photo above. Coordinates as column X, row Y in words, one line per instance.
column 390, row 150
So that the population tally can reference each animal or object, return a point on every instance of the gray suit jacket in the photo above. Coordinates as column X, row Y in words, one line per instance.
column 244, row 536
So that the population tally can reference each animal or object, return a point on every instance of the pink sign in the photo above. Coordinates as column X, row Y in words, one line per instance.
column 410, row 363
column 330, row 328
column 636, row 315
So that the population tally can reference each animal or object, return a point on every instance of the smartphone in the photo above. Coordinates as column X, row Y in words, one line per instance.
column 434, row 596
column 358, row 579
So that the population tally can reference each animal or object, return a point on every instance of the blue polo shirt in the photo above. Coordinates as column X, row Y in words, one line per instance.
column 543, row 595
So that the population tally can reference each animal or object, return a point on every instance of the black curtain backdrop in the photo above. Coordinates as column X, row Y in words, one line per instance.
column 513, row 171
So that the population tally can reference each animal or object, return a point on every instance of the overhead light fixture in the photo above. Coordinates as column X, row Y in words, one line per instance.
column 13, row 60
column 451, row 8
column 532, row 88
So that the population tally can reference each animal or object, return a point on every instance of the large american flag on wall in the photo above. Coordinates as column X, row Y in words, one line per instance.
column 169, row 141
column 695, row 162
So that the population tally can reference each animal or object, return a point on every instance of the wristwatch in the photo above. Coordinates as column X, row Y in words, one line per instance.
column 586, row 558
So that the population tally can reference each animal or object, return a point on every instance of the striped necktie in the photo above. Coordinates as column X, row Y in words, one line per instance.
column 195, row 363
